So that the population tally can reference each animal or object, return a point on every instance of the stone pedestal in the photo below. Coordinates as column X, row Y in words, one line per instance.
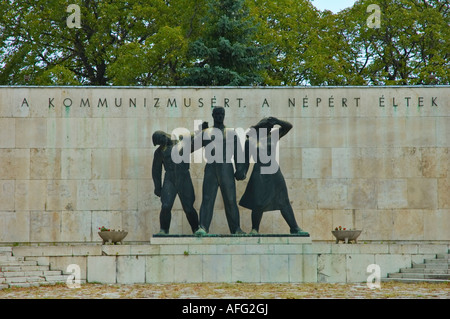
column 230, row 258
column 226, row 259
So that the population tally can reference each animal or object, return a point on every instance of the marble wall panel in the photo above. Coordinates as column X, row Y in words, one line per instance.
column 72, row 158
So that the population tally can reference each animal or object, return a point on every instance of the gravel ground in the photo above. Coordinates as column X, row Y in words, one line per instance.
column 388, row 290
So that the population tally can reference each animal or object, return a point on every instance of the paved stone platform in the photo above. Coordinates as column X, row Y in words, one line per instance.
column 232, row 239
column 301, row 234
column 263, row 259
column 238, row 292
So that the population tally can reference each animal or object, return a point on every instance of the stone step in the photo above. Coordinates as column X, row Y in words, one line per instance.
column 19, row 272
column 432, row 265
column 48, row 277
column 5, row 258
column 50, row 283
column 431, row 270
column 437, row 261
column 425, row 270
column 57, row 278
column 29, row 273
column 6, row 274
column 420, row 276
column 23, row 279
column 22, row 268
column 414, row 280
column 18, row 263
column 24, row 284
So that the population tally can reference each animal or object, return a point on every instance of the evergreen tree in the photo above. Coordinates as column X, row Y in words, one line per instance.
column 227, row 54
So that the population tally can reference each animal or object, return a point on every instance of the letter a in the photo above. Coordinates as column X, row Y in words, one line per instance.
column 73, row 20
column 373, row 280
column 181, row 152
column 73, row 281
column 374, row 20
column 25, row 102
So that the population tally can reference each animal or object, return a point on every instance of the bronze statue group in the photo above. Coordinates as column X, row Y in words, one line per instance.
column 264, row 191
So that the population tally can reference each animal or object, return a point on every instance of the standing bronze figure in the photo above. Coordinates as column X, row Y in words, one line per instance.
column 267, row 192
column 177, row 181
column 219, row 173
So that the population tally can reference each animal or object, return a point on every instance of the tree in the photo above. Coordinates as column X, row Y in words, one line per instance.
column 322, row 48
column 226, row 53
column 123, row 42
column 412, row 45
column 287, row 27
column 223, row 42
column 310, row 47
column 330, row 59
column 160, row 59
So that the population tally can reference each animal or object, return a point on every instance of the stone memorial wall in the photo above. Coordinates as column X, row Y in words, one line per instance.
column 73, row 159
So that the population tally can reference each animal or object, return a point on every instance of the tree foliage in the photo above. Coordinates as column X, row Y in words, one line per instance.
column 227, row 53
column 120, row 42
column 288, row 26
column 410, row 47
column 223, row 42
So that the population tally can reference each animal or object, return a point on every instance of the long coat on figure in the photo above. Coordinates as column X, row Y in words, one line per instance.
column 266, row 190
